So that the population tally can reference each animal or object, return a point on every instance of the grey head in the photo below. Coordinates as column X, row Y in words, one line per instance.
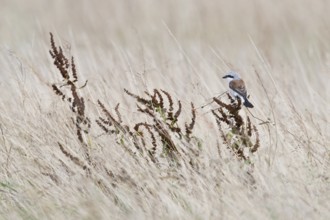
column 231, row 75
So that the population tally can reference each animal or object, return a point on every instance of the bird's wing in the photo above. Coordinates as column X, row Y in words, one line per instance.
column 238, row 86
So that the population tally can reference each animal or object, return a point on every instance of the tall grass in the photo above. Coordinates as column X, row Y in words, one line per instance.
column 109, row 124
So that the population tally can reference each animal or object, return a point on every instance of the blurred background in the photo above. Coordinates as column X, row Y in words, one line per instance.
column 162, row 36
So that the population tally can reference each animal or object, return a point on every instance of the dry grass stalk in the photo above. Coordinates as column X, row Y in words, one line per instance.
column 74, row 159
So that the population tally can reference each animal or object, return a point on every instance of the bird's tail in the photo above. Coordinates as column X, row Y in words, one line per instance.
column 247, row 103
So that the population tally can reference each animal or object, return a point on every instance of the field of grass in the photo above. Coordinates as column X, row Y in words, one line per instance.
column 68, row 151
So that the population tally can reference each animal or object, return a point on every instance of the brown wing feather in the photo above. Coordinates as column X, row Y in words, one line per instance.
column 238, row 86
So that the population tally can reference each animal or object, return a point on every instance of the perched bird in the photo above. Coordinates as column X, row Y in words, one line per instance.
column 237, row 87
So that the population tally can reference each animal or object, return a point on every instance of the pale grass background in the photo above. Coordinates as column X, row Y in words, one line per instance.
column 184, row 47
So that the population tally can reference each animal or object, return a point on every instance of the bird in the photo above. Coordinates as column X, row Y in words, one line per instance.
column 237, row 88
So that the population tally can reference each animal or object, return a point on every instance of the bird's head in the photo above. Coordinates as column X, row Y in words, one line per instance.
column 231, row 75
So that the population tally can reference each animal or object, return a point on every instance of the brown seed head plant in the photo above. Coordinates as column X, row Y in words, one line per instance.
column 162, row 137
column 69, row 86
column 239, row 135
